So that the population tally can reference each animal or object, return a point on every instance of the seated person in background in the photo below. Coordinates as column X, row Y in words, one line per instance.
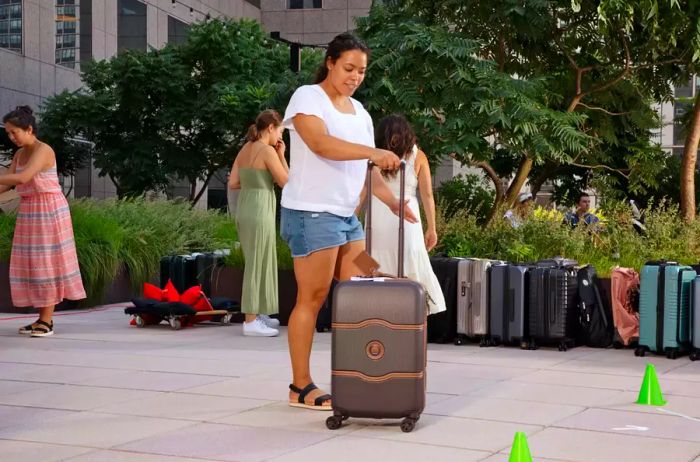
column 522, row 209
column 583, row 205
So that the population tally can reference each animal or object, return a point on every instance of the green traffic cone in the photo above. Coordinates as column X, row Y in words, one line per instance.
column 650, row 393
column 520, row 452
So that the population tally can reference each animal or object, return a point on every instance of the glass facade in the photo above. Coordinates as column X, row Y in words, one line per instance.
column 304, row 4
column 85, row 30
column 131, row 25
column 177, row 31
column 67, row 32
column 11, row 25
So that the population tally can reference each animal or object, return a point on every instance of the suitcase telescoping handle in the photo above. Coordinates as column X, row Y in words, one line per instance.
column 368, row 217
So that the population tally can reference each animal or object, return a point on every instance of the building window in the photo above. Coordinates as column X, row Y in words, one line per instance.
column 85, row 30
column 66, row 32
column 11, row 25
column 177, row 31
column 304, row 4
column 131, row 25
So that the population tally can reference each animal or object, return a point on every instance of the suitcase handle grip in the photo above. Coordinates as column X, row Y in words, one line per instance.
column 368, row 217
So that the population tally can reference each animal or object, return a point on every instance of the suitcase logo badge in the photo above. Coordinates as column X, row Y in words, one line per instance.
column 375, row 350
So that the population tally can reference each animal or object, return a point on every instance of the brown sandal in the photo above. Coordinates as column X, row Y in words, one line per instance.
column 318, row 402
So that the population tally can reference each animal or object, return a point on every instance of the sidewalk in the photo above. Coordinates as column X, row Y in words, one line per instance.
column 101, row 390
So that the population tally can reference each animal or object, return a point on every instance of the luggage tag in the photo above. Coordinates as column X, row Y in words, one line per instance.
column 370, row 266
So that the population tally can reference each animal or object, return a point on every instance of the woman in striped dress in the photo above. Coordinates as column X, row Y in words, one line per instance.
column 44, row 265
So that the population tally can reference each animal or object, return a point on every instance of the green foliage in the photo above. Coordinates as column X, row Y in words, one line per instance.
column 458, row 102
column 543, row 236
column 136, row 234
column 179, row 112
column 465, row 193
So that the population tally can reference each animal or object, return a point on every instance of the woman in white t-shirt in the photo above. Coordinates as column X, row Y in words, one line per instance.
column 331, row 139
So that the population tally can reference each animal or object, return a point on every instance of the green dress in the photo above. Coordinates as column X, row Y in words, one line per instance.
column 255, row 217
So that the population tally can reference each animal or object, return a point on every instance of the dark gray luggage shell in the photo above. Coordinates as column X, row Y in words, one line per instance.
column 379, row 344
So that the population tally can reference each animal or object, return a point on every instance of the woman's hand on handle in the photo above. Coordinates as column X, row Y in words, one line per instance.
column 385, row 160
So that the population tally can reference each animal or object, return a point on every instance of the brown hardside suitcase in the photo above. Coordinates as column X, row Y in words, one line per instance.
column 379, row 343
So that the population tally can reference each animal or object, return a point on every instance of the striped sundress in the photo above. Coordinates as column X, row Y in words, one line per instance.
column 44, row 265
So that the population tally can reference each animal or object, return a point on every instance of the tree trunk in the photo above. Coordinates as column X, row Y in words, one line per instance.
column 520, row 178
column 201, row 191
column 690, row 155
column 498, row 200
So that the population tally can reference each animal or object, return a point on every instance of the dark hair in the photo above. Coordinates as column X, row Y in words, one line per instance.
column 22, row 117
column 339, row 45
column 581, row 196
column 395, row 134
column 265, row 119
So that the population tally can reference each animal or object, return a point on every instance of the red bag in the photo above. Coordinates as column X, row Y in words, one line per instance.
column 624, row 288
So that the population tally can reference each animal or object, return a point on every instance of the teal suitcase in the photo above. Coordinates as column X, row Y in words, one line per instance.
column 664, row 307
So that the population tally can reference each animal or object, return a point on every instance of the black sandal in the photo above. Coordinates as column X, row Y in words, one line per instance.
column 318, row 402
column 26, row 330
column 42, row 329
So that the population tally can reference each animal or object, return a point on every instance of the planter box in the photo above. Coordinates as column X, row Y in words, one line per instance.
column 228, row 282
column 118, row 291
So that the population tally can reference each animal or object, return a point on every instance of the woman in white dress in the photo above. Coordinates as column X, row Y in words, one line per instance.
column 395, row 134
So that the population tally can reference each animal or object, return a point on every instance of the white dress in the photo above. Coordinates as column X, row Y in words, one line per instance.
column 385, row 239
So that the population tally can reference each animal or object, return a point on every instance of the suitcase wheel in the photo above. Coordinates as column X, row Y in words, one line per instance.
column 672, row 354
column 175, row 323
column 640, row 352
column 618, row 345
column 408, row 424
column 139, row 321
column 226, row 319
column 694, row 356
column 459, row 341
column 563, row 347
column 334, row 422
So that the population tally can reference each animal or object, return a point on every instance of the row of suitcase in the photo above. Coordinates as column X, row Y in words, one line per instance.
column 669, row 310
column 551, row 301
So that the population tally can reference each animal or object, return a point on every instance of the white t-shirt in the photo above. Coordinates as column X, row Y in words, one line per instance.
column 317, row 184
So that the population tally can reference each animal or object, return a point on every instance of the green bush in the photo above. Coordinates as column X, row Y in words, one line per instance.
column 465, row 194
column 616, row 243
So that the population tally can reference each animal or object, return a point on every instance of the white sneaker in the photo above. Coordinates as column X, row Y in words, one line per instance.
column 269, row 322
column 258, row 328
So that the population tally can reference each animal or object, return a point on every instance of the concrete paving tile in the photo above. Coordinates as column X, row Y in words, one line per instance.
column 66, row 374
column 13, row 416
column 504, row 410
column 154, row 381
column 199, row 408
column 480, row 435
column 21, row 451
column 689, row 371
column 228, row 443
column 9, row 387
column 352, row 449
column 684, row 405
column 73, row 397
column 129, row 456
column 638, row 423
column 283, row 417
column 253, row 388
column 587, row 446
column 552, row 394
column 582, row 379
column 91, row 429
column 621, row 366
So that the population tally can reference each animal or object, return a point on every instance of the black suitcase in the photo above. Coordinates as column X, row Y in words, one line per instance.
column 180, row 269
column 554, row 316
column 509, row 301
column 597, row 330
column 442, row 327
column 205, row 264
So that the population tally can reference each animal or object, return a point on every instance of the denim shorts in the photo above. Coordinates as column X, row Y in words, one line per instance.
column 308, row 232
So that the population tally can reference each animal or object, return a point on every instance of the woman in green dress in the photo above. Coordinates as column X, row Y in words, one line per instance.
column 258, row 164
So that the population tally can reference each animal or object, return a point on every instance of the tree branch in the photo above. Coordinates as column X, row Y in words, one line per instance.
column 596, row 108
column 622, row 75
column 604, row 167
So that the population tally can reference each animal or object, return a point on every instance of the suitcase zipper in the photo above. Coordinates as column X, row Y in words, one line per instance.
column 660, row 296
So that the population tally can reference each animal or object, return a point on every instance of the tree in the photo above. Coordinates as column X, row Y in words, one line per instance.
column 586, row 60
column 180, row 112
column 462, row 105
